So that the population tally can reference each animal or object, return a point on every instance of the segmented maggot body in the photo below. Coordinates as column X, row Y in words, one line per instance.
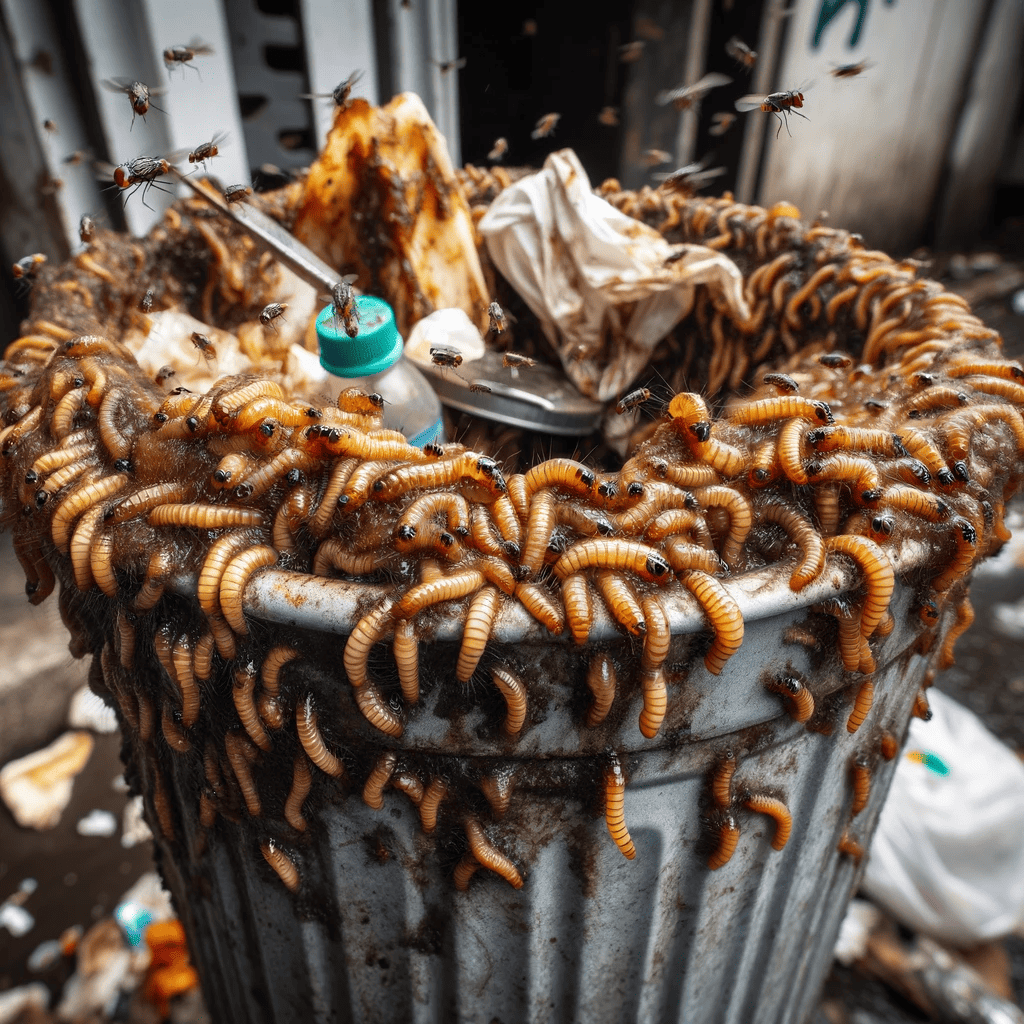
column 728, row 839
column 802, row 532
column 621, row 601
column 614, row 814
column 721, row 780
column 512, row 689
column 761, row 803
column 602, row 682
column 861, row 706
column 373, row 790
column 489, row 856
column 724, row 614
column 480, row 616
column 614, row 553
column 879, row 577
column 860, row 771
column 312, row 741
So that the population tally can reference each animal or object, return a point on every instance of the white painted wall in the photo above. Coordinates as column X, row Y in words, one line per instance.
column 874, row 148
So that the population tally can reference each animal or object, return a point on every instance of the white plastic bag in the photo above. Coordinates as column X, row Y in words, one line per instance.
column 948, row 857
column 596, row 278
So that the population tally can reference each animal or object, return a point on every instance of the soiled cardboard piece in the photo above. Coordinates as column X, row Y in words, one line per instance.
column 382, row 201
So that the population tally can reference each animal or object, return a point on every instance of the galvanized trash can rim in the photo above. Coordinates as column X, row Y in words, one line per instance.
column 305, row 601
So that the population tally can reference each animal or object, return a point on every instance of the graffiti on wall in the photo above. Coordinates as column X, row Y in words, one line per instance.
column 828, row 11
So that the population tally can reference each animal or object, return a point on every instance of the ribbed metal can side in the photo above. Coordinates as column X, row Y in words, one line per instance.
column 376, row 932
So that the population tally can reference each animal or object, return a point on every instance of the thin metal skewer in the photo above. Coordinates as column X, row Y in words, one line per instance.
column 269, row 234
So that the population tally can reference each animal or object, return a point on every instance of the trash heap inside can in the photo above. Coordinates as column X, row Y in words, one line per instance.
column 527, row 655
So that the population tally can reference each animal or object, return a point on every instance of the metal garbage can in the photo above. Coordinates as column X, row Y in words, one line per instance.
column 339, row 851
column 377, row 932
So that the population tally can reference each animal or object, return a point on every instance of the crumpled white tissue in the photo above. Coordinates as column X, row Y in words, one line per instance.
column 596, row 278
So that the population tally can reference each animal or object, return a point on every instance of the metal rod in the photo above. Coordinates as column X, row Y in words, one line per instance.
column 267, row 232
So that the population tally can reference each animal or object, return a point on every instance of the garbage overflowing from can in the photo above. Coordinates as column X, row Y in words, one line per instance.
column 423, row 737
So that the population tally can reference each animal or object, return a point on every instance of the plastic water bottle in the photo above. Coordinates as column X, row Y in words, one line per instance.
column 373, row 361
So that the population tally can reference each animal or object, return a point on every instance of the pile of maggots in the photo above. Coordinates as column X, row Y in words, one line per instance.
column 886, row 413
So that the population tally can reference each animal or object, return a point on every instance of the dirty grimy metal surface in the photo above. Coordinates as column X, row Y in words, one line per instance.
column 377, row 932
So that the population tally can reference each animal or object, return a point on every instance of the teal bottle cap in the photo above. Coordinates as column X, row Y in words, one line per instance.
column 376, row 348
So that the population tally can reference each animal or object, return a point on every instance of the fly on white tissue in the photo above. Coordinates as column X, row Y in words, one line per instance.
column 601, row 283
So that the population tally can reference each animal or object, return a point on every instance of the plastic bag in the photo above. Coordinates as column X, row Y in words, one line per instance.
column 597, row 279
column 948, row 856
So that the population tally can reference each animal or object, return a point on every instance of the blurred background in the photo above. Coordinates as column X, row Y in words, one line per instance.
column 912, row 136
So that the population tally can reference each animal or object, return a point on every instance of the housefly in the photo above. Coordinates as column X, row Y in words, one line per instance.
column 236, row 193
column 271, row 311
column 545, row 126
column 451, row 65
column 653, row 157
column 781, row 104
column 205, row 346
column 341, row 93
column 721, row 122
column 741, row 53
column 28, row 266
column 184, row 55
column 690, row 177
column 140, row 96
column 441, row 355
column 513, row 360
column 344, row 301
column 850, row 70
column 497, row 317
column 685, row 96
column 633, row 400
column 207, row 150
column 142, row 172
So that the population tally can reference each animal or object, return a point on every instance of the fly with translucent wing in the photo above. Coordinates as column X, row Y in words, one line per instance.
column 341, row 94
column 684, row 96
column 207, row 150
column 182, row 56
column 343, row 300
column 142, row 172
column 781, row 104
column 140, row 96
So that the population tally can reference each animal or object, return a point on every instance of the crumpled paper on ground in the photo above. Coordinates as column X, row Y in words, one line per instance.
column 595, row 278
column 37, row 787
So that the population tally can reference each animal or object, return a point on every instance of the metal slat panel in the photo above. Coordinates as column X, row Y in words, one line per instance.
column 754, row 133
column 34, row 220
column 200, row 104
column 282, row 109
column 126, row 40
column 986, row 125
column 338, row 41
column 376, row 932
column 115, row 38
